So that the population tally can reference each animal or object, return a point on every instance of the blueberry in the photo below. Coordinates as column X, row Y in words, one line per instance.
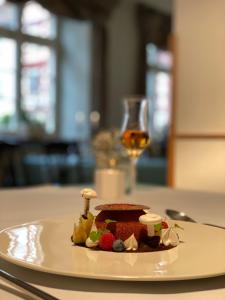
column 118, row 246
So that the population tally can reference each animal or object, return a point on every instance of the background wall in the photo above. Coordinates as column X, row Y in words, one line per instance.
column 200, row 95
column 122, row 54
column 122, row 66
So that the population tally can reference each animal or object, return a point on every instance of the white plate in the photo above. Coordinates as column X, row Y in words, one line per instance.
column 45, row 246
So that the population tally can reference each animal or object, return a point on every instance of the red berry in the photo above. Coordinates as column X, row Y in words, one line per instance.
column 106, row 241
column 164, row 225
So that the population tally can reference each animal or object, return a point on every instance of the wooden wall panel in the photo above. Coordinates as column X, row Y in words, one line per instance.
column 196, row 156
column 200, row 164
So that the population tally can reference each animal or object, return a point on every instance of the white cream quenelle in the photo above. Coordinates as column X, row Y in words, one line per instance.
column 152, row 221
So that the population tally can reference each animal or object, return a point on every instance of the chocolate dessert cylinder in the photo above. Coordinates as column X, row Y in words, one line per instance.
column 122, row 220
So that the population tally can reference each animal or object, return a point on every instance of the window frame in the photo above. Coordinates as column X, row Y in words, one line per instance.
column 20, row 37
column 155, row 68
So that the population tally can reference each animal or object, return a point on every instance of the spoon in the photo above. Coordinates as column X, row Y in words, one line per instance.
column 26, row 286
column 182, row 216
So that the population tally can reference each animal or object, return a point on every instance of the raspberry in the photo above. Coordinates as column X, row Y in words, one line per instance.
column 164, row 225
column 106, row 241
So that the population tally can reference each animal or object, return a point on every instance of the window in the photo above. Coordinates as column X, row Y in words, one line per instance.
column 28, row 50
column 158, row 85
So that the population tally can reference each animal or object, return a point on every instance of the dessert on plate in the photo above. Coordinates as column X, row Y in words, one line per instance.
column 122, row 227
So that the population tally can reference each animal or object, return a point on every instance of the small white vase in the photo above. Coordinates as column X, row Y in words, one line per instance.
column 110, row 184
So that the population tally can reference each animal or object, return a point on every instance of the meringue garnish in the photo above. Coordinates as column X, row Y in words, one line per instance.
column 170, row 237
column 131, row 243
column 90, row 244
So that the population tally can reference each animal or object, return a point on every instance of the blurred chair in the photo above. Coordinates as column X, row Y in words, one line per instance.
column 53, row 162
column 6, row 164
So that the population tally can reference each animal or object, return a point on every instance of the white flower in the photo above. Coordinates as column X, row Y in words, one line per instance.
column 108, row 149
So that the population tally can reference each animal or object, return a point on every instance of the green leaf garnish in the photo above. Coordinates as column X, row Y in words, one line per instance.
column 107, row 221
column 158, row 227
column 95, row 235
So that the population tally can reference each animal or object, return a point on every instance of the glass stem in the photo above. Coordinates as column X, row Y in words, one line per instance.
column 133, row 175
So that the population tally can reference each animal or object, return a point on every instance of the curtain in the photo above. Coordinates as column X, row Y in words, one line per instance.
column 153, row 27
column 99, row 73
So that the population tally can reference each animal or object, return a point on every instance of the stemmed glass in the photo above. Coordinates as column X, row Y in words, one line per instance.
column 134, row 132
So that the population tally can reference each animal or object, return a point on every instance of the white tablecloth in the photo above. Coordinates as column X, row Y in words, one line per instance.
column 23, row 205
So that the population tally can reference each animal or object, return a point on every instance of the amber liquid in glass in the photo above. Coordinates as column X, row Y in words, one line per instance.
column 135, row 141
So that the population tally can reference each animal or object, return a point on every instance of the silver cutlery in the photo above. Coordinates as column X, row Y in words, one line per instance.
column 182, row 216
column 26, row 286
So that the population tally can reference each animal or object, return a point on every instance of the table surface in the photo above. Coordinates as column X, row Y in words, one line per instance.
column 24, row 205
